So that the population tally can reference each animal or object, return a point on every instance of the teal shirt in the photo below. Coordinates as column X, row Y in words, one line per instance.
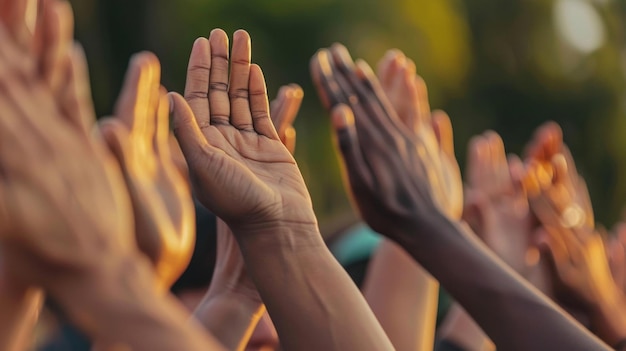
column 359, row 243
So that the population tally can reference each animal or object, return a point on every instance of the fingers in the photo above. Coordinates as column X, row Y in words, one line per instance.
column 77, row 103
column 190, row 138
column 561, row 171
column 342, row 120
column 133, row 106
column 286, row 107
column 423, row 105
column 14, row 62
column 117, row 136
column 154, row 98
column 403, row 93
column 19, row 17
column 364, row 91
column 58, row 32
column 321, row 70
column 478, row 156
column 284, row 110
column 197, row 84
column 443, row 130
column 498, row 164
column 288, row 138
column 162, row 126
column 238, row 91
column 218, row 78
column 384, row 69
column 516, row 172
column 547, row 142
column 259, row 104
column 376, row 100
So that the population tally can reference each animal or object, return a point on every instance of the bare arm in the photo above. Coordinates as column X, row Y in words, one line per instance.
column 245, row 175
column 232, row 307
column 460, row 329
column 403, row 296
column 67, row 228
column 20, row 308
column 408, row 188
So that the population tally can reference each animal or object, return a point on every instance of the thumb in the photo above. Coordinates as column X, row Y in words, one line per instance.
column 186, row 129
column 116, row 137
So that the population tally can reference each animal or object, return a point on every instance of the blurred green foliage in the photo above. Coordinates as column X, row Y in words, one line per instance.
column 502, row 65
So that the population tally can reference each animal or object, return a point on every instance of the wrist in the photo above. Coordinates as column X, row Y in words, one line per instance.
column 279, row 236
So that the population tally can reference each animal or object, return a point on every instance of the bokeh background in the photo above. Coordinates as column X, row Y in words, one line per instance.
column 492, row 64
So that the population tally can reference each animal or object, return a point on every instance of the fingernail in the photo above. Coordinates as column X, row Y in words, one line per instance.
column 342, row 117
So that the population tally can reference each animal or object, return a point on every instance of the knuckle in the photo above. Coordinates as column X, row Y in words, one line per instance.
column 218, row 87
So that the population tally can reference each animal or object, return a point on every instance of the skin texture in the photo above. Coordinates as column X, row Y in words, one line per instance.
column 460, row 329
column 578, row 253
column 407, row 188
column 70, row 232
column 232, row 296
column 243, row 173
column 402, row 294
column 497, row 209
column 138, row 137
column 20, row 302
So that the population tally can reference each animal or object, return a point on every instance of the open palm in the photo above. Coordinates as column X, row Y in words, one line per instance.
column 239, row 167
column 139, row 138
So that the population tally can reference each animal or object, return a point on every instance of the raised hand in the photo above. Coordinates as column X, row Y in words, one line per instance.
column 232, row 295
column 230, row 270
column 400, row 292
column 548, row 142
column 59, row 209
column 67, row 222
column 139, row 139
column 578, row 253
column 20, row 302
column 239, row 168
column 284, row 110
column 407, row 187
column 244, row 174
column 496, row 206
column 390, row 187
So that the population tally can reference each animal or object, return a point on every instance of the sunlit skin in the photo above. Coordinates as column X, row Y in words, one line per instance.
column 232, row 295
column 242, row 172
column 582, row 270
column 408, row 189
column 138, row 137
column 21, row 303
column 71, row 232
column 497, row 209
column 400, row 292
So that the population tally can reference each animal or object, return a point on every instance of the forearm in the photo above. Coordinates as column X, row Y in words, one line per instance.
column 460, row 329
column 119, row 306
column 491, row 292
column 229, row 318
column 403, row 296
column 20, row 307
column 312, row 301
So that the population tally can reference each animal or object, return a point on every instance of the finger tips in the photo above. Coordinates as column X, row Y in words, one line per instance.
column 442, row 126
column 342, row 117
